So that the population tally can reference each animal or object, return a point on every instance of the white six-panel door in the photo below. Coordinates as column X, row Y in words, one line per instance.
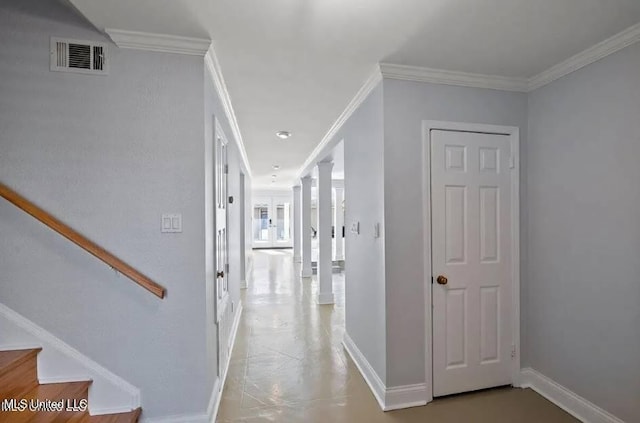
column 471, row 253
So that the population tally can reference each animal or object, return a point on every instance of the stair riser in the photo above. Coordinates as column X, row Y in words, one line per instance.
column 20, row 378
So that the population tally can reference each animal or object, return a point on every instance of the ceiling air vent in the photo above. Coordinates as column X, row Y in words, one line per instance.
column 78, row 56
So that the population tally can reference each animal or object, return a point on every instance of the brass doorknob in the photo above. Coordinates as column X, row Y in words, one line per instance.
column 221, row 274
column 442, row 280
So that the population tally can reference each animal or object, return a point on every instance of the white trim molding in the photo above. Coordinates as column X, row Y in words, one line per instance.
column 569, row 401
column 215, row 73
column 86, row 369
column 599, row 51
column 159, row 42
column 328, row 141
column 399, row 397
column 514, row 134
column 393, row 398
column 216, row 395
column 447, row 77
column 368, row 373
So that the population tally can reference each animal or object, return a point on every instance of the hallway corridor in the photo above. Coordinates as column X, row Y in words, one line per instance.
column 288, row 364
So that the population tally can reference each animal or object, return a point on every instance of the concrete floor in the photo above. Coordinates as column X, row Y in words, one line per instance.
column 288, row 364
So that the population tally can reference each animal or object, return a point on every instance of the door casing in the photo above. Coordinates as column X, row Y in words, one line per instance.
column 514, row 135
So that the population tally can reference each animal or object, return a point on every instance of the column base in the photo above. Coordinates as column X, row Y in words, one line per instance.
column 325, row 298
column 243, row 284
column 306, row 273
column 297, row 259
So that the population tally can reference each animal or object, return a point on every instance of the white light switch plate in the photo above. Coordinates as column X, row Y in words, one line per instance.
column 355, row 227
column 171, row 223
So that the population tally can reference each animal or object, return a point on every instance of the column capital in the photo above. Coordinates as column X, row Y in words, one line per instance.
column 325, row 165
column 306, row 180
column 296, row 187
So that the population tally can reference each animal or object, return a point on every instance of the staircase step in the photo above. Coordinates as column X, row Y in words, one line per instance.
column 19, row 381
column 18, row 372
column 130, row 417
column 50, row 392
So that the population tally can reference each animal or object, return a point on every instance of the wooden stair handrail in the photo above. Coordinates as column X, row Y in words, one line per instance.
column 81, row 241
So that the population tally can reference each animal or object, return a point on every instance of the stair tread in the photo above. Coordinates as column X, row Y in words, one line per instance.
column 11, row 358
column 16, row 362
column 52, row 392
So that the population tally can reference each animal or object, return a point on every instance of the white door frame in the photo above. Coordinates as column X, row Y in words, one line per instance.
column 514, row 134
column 271, row 200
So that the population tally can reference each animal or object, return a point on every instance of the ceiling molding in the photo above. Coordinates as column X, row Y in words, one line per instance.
column 463, row 79
column 215, row 72
column 372, row 81
column 159, row 42
column 599, row 51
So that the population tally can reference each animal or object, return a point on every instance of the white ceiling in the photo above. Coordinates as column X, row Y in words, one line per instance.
column 295, row 64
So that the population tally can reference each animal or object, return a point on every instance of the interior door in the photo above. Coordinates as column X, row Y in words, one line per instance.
column 222, row 256
column 471, row 261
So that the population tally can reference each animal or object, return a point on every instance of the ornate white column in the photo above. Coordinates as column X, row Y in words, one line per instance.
column 339, row 222
column 305, row 225
column 325, row 274
column 297, row 217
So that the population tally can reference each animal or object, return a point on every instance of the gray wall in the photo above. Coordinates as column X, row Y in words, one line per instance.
column 406, row 105
column 364, row 255
column 108, row 155
column 584, row 236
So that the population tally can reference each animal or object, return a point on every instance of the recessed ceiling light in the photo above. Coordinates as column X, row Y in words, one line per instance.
column 283, row 134
column 276, row 167
column 274, row 176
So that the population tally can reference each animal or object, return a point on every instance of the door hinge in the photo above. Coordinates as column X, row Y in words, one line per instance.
column 226, row 169
column 431, row 280
column 512, row 162
column 226, row 268
column 513, row 352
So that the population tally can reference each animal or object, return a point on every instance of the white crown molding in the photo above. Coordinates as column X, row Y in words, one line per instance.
column 215, row 72
column 569, row 401
column 159, row 42
column 446, row 77
column 599, row 51
column 372, row 81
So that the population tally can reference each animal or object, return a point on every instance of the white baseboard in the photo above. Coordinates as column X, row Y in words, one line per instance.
column 393, row 398
column 569, row 401
column 406, row 396
column 216, row 393
column 185, row 418
column 326, row 298
column 368, row 373
column 58, row 361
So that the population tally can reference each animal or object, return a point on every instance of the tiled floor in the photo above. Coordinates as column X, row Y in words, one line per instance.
column 288, row 364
